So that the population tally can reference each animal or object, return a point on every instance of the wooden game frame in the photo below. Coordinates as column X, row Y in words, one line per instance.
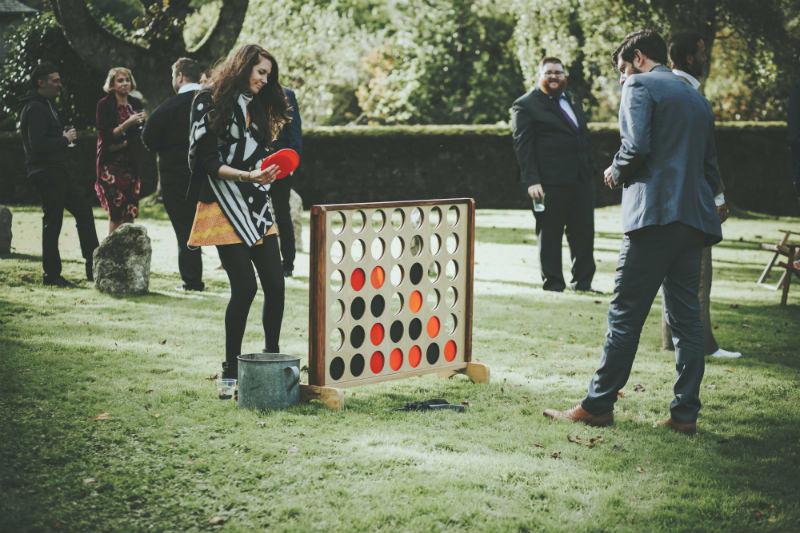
column 331, row 393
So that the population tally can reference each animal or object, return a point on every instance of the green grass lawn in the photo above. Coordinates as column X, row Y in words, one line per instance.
column 168, row 456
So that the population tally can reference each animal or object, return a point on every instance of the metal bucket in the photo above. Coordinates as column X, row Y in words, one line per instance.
column 268, row 380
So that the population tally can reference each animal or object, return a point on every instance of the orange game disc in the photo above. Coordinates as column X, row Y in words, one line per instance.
column 450, row 350
column 376, row 362
column 377, row 277
column 396, row 359
column 376, row 334
column 414, row 356
column 357, row 279
column 433, row 327
column 415, row 301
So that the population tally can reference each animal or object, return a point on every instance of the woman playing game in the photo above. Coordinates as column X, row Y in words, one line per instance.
column 233, row 123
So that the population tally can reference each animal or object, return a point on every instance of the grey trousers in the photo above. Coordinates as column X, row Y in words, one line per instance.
column 649, row 257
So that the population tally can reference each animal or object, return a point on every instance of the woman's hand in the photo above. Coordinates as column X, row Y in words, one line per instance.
column 264, row 177
column 137, row 119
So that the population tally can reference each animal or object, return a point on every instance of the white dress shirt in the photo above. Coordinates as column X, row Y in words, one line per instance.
column 186, row 87
column 564, row 103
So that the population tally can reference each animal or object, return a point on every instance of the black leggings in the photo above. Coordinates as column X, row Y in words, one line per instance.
column 237, row 259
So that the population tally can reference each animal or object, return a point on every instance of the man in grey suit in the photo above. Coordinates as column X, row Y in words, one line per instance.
column 668, row 168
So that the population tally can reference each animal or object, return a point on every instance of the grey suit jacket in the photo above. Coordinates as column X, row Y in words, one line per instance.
column 667, row 161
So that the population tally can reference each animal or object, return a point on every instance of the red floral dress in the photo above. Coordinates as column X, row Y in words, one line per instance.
column 118, row 185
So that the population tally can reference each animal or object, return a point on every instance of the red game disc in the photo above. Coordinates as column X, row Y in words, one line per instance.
column 357, row 279
column 286, row 159
column 376, row 334
column 396, row 359
column 376, row 362
column 450, row 350
column 377, row 277
column 414, row 356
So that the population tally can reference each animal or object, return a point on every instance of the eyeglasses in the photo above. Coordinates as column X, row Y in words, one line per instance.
column 555, row 73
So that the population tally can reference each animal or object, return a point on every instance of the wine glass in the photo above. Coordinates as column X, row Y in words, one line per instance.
column 68, row 127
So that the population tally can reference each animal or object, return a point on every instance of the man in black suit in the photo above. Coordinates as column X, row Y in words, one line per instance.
column 291, row 136
column 167, row 133
column 551, row 141
column 47, row 159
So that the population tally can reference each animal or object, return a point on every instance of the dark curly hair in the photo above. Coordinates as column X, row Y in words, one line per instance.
column 269, row 109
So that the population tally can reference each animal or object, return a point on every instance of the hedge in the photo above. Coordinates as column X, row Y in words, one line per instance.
column 356, row 164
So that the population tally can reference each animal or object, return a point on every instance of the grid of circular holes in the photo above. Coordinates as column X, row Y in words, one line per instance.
column 435, row 217
column 452, row 324
column 416, row 245
column 396, row 304
column 396, row 275
column 417, row 217
column 451, row 270
column 435, row 244
column 337, row 252
column 432, row 353
column 452, row 243
column 337, row 310
column 434, row 270
column 357, row 308
column 377, row 277
column 377, row 306
column 359, row 220
column 398, row 218
column 337, row 339
column 396, row 331
column 433, row 298
column 378, row 248
column 415, row 329
column 337, row 222
column 378, row 220
column 357, row 250
column 337, row 280
column 337, row 368
column 396, row 359
column 357, row 337
column 397, row 247
column 451, row 297
column 414, row 356
column 376, row 362
column 415, row 274
column 453, row 216
column 357, row 365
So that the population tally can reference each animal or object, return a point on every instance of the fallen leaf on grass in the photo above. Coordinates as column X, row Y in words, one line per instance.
column 621, row 394
column 162, row 341
column 537, row 445
column 102, row 416
column 156, row 415
column 212, row 377
column 556, row 455
column 734, row 306
column 466, row 403
column 576, row 439
column 292, row 450
column 594, row 441
column 598, row 302
column 746, row 326
column 89, row 481
column 638, row 388
column 640, row 469
column 148, row 391
column 216, row 520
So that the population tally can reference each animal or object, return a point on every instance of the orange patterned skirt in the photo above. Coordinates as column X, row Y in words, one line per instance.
column 212, row 228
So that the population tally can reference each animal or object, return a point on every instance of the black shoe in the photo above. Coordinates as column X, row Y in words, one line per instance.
column 89, row 270
column 553, row 289
column 230, row 370
column 194, row 287
column 57, row 281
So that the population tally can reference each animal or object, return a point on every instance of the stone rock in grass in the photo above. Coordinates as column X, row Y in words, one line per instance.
column 122, row 261
column 296, row 211
column 5, row 230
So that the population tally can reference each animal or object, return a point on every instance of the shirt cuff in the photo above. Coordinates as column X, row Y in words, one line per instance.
column 719, row 199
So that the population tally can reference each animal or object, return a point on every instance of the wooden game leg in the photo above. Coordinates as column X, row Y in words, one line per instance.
column 332, row 398
column 476, row 372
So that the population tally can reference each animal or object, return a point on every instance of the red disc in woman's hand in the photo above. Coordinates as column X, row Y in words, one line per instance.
column 286, row 159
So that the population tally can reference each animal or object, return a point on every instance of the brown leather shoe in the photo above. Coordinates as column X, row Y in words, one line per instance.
column 579, row 414
column 687, row 428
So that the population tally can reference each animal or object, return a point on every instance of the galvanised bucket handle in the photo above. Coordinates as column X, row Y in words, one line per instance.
column 296, row 373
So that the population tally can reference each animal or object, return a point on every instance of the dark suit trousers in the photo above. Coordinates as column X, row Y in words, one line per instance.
column 283, row 217
column 181, row 214
column 57, row 191
column 570, row 208
column 649, row 257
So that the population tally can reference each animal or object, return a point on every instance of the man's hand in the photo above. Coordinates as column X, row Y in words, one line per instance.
column 608, row 177
column 536, row 192
column 70, row 135
column 723, row 211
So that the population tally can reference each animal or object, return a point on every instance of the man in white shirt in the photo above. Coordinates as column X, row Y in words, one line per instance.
column 690, row 61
